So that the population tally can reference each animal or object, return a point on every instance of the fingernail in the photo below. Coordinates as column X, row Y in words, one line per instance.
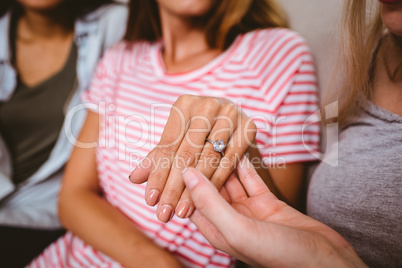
column 166, row 213
column 190, row 211
column 152, row 197
column 190, row 178
column 182, row 209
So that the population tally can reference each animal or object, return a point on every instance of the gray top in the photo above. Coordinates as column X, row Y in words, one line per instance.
column 30, row 124
column 361, row 198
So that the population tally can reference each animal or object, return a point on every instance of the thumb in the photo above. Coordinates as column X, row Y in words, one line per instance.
column 210, row 203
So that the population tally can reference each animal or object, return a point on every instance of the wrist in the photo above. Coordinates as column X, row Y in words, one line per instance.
column 343, row 256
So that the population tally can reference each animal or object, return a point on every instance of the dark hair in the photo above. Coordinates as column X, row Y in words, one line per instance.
column 228, row 19
column 76, row 8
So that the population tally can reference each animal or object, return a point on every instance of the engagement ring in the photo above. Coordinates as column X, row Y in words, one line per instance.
column 219, row 146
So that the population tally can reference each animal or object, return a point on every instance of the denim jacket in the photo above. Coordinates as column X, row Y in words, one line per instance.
column 33, row 203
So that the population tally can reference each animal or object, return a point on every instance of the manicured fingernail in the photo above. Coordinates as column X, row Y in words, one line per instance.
column 190, row 178
column 190, row 211
column 182, row 209
column 152, row 197
column 166, row 213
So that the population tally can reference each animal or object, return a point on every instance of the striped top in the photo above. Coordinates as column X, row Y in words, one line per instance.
column 268, row 73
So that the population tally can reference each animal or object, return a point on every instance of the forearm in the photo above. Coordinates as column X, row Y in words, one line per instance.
column 105, row 228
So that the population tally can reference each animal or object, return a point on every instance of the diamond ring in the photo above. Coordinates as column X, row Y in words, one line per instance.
column 219, row 145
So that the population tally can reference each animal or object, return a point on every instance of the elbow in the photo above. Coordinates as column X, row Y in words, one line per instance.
column 67, row 205
column 72, row 201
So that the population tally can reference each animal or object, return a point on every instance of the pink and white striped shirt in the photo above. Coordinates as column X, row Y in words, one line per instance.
column 269, row 73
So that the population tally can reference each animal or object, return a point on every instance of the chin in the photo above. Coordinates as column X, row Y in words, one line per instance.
column 187, row 8
column 40, row 5
column 397, row 32
column 391, row 15
column 395, row 28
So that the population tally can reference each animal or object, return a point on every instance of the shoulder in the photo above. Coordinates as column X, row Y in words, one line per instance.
column 281, row 33
column 114, row 53
column 276, row 56
column 110, row 19
column 5, row 17
column 107, row 24
column 279, row 42
column 272, row 36
column 273, row 50
column 5, row 24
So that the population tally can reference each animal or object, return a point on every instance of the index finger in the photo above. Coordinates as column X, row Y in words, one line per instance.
column 170, row 141
column 249, row 178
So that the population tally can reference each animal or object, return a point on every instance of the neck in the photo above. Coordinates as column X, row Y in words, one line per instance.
column 182, row 37
column 393, row 57
column 45, row 25
column 397, row 42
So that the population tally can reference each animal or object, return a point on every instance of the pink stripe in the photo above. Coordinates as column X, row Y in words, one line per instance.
column 292, row 143
column 59, row 257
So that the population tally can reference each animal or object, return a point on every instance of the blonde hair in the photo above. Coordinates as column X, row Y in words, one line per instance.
column 362, row 29
column 226, row 21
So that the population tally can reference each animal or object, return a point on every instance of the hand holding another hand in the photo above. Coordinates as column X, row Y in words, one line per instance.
column 255, row 227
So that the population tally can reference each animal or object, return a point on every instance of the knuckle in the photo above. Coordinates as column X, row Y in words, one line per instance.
column 251, row 125
column 168, row 141
column 209, row 160
column 230, row 109
column 165, row 149
column 209, row 106
column 184, row 99
column 171, row 195
column 251, row 130
column 185, row 158
column 210, row 155
column 157, row 177
column 186, row 153
column 232, row 160
column 211, row 102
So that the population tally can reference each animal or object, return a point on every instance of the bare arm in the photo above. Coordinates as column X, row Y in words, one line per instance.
column 277, row 235
column 83, row 211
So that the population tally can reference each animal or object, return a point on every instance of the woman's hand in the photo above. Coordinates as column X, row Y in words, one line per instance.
column 192, row 120
column 254, row 226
